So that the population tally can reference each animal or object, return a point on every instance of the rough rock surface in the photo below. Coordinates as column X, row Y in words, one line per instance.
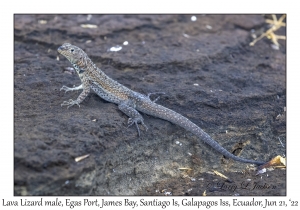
column 209, row 73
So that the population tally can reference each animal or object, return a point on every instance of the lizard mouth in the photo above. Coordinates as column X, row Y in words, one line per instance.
column 60, row 49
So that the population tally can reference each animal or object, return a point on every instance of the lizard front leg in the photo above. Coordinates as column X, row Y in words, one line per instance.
column 86, row 90
column 66, row 89
column 134, row 116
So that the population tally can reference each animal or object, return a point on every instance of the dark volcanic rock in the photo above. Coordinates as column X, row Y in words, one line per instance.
column 208, row 71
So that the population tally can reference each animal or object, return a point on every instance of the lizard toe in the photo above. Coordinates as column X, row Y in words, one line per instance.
column 136, row 121
column 70, row 103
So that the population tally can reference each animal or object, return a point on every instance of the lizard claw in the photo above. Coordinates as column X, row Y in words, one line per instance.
column 149, row 94
column 65, row 88
column 136, row 121
column 70, row 103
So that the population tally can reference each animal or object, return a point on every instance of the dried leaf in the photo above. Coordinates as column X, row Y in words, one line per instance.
column 276, row 24
column 188, row 169
column 222, row 175
column 81, row 157
column 42, row 21
column 88, row 26
column 276, row 161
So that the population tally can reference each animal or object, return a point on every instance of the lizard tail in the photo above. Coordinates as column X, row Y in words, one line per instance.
column 207, row 139
column 176, row 118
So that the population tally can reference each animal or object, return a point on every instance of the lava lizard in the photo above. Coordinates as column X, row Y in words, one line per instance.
column 128, row 101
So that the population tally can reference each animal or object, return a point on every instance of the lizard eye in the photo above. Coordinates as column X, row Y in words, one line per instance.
column 72, row 50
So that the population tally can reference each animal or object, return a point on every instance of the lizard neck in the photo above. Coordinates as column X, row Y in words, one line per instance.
column 78, row 69
column 85, row 64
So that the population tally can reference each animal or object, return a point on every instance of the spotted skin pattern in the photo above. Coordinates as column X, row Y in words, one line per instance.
column 129, row 101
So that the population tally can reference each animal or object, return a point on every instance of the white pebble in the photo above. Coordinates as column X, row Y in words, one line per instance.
column 115, row 48
column 89, row 17
column 209, row 27
column 193, row 18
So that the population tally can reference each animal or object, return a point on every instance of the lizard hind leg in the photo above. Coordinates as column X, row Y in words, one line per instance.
column 134, row 116
column 70, row 103
column 135, row 121
column 149, row 94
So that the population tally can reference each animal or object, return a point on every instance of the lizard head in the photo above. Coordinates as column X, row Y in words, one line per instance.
column 74, row 54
